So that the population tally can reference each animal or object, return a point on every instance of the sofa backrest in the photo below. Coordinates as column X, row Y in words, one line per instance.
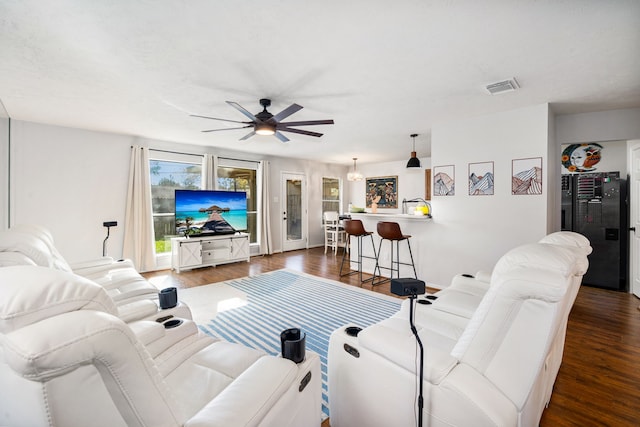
column 57, row 260
column 510, row 334
column 29, row 294
column 27, row 245
column 65, row 359
column 569, row 239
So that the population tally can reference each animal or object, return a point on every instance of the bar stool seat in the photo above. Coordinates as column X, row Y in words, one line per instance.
column 391, row 231
column 354, row 227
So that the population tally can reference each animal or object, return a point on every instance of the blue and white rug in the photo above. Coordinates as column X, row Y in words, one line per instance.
column 255, row 310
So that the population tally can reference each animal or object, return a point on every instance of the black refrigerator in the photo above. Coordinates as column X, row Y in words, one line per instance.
column 595, row 205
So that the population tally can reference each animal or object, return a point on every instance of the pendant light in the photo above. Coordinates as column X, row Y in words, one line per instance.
column 355, row 175
column 414, row 162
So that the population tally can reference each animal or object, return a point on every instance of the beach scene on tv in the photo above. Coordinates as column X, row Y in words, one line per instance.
column 201, row 212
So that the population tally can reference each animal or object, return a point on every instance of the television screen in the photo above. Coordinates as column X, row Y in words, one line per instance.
column 210, row 212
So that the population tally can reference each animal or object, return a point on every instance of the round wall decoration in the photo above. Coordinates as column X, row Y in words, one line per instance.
column 581, row 157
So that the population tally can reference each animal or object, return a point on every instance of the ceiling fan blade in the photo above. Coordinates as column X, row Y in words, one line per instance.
column 293, row 108
column 222, row 120
column 281, row 137
column 306, row 123
column 217, row 130
column 247, row 136
column 300, row 131
column 242, row 110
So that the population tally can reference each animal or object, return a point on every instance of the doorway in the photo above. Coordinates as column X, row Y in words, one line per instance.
column 595, row 203
column 634, row 216
column 294, row 211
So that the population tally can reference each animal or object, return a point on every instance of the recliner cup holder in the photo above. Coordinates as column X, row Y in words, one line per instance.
column 293, row 342
column 168, row 298
column 173, row 323
column 353, row 331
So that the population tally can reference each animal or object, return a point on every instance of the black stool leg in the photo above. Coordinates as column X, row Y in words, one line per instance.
column 397, row 258
column 413, row 264
column 347, row 244
column 375, row 255
column 377, row 267
column 360, row 258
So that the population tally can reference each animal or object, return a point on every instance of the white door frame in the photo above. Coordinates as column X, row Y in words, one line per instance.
column 634, row 215
column 289, row 244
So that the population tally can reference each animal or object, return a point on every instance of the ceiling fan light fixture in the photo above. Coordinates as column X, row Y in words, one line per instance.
column 355, row 175
column 265, row 123
column 265, row 129
column 414, row 161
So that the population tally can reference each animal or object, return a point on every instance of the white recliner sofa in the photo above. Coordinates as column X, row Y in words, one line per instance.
column 119, row 277
column 492, row 347
column 135, row 297
column 66, row 359
column 33, row 245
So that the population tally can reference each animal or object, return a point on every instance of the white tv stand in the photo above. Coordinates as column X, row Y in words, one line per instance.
column 206, row 251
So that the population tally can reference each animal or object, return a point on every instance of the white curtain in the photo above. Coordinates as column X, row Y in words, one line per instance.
column 209, row 168
column 139, row 241
column 266, row 244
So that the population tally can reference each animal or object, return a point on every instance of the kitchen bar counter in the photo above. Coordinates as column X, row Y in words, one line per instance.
column 389, row 216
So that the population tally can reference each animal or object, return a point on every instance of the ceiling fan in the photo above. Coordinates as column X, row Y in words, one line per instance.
column 265, row 123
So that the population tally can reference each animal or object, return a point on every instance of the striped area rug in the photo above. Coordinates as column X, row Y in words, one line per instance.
column 286, row 299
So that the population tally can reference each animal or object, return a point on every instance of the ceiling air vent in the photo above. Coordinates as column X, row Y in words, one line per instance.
column 503, row 86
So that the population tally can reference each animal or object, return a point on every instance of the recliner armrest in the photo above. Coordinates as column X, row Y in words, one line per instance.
column 483, row 276
column 247, row 399
column 473, row 285
column 104, row 264
column 401, row 348
column 136, row 310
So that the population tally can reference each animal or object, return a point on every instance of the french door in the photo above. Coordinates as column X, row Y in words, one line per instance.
column 294, row 211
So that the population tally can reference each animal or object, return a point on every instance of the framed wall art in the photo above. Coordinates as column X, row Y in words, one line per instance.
column 444, row 183
column 481, row 179
column 526, row 176
column 384, row 187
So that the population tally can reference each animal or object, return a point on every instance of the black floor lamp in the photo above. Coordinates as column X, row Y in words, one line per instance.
column 107, row 224
column 412, row 288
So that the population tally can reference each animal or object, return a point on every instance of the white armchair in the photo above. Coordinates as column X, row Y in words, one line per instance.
column 67, row 360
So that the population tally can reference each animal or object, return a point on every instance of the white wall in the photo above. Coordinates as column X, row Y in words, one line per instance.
column 470, row 233
column 4, row 171
column 72, row 180
column 598, row 126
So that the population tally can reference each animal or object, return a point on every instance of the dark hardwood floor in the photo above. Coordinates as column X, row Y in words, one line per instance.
column 599, row 380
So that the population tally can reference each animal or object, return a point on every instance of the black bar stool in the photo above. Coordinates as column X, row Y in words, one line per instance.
column 354, row 227
column 391, row 231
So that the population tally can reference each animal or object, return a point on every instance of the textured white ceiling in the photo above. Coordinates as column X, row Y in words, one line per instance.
column 382, row 70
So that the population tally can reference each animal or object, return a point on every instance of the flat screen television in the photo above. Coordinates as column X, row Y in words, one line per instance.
column 209, row 212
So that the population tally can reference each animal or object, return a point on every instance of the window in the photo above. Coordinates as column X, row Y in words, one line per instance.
column 237, row 175
column 331, row 194
column 169, row 172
